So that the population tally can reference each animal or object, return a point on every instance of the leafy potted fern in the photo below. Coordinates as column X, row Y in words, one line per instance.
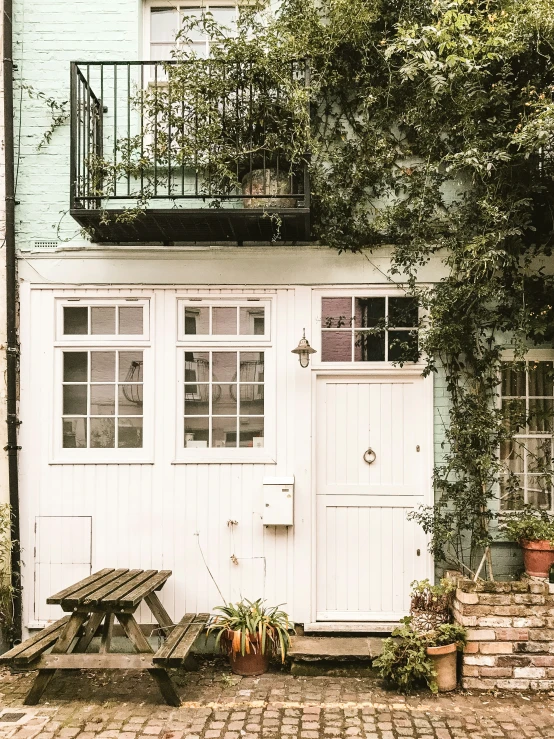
column 534, row 532
column 250, row 633
column 411, row 658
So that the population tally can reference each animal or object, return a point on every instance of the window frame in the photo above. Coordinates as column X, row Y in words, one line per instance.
column 535, row 355
column 222, row 342
column 223, row 302
column 148, row 4
column 97, row 342
column 352, row 293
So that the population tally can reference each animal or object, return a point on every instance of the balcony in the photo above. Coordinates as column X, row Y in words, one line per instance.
column 181, row 152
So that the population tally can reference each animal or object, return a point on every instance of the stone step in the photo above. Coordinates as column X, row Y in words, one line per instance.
column 334, row 656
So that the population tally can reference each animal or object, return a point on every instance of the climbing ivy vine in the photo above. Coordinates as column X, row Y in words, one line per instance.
column 430, row 129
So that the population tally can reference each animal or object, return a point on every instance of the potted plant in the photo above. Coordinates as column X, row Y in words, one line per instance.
column 534, row 532
column 250, row 633
column 430, row 605
column 444, row 643
column 411, row 658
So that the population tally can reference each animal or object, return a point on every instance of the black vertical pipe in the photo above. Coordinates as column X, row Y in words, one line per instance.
column 12, row 348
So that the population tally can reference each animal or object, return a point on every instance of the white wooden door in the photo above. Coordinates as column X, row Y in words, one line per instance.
column 368, row 552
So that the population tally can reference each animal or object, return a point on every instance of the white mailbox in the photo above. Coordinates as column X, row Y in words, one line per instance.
column 278, row 501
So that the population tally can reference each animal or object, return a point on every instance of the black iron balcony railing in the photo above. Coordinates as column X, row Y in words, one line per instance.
column 202, row 150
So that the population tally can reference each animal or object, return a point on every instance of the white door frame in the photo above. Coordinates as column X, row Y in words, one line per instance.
column 372, row 371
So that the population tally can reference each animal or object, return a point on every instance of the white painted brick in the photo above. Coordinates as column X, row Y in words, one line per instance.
column 530, row 672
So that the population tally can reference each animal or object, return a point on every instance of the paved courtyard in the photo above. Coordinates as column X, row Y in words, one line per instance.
column 216, row 704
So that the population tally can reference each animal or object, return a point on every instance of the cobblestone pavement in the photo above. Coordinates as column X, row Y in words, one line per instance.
column 117, row 705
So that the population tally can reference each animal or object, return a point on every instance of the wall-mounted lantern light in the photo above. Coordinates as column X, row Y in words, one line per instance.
column 304, row 350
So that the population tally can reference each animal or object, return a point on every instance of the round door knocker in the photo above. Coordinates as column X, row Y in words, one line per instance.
column 370, row 456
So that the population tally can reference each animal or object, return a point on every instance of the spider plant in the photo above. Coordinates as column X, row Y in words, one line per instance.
column 251, row 627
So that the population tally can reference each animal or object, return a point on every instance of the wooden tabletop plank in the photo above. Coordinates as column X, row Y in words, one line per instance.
column 115, row 597
column 77, row 598
column 112, row 586
column 176, row 634
column 57, row 598
column 48, row 634
column 136, row 596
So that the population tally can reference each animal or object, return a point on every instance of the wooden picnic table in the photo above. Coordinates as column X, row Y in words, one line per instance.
column 107, row 595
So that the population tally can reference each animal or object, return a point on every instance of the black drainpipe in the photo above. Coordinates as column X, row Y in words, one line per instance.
column 12, row 348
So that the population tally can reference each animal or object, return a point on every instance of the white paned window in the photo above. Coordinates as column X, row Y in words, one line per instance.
column 369, row 329
column 163, row 21
column 223, row 396
column 101, row 354
column 102, row 399
column 527, row 401
column 223, row 321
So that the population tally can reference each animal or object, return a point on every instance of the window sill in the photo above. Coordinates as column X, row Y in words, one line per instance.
column 100, row 460
column 220, row 459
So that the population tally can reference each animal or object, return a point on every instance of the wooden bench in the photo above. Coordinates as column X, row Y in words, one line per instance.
column 94, row 603
column 31, row 649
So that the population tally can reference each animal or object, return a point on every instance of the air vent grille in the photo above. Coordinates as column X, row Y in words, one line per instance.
column 45, row 245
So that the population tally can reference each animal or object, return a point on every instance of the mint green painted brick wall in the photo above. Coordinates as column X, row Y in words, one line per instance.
column 47, row 37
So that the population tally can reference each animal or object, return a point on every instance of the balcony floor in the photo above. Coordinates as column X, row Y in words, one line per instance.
column 177, row 225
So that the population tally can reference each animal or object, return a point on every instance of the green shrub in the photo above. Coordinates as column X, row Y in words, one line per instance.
column 529, row 524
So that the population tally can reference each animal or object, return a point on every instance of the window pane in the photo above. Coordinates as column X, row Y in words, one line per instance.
column 196, row 400
column 224, row 321
column 102, row 321
column 197, row 321
column 224, row 432
column 130, row 366
column 75, row 321
column 130, row 320
column 541, row 416
column 539, row 455
column 197, row 367
column 252, row 321
column 369, row 312
column 225, row 17
column 251, row 366
column 75, row 400
column 130, row 400
column 224, row 366
column 540, row 378
column 252, row 432
column 403, row 346
column 336, row 346
column 75, row 366
column 336, row 313
column 196, row 433
column 512, row 455
column 160, row 53
column 369, row 347
column 129, row 432
column 515, row 416
column 163, row 24
column 539, row 494
column 74, row 433
column 225, row 404
column 511, row 493
column 102, row 366
column 102, row 433
column 513, row 380
column 251, row 400
column 403, row 312
column 102, row 400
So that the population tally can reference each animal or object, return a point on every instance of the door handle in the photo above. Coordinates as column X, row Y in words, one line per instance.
column 369, row 456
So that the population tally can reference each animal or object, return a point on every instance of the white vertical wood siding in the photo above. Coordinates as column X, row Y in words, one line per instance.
column 158, row 515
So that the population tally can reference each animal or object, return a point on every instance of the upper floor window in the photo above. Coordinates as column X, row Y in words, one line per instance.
column 103, row 318
column 527, row 401
column 164, row 21
column 369, row 329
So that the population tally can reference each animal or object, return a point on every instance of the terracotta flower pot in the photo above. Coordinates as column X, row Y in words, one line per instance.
column 253, row 663
column 264, row 183
column 445, row 663
column 537, row 557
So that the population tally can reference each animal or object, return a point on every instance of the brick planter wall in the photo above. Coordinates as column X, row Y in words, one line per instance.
column 510, row 629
